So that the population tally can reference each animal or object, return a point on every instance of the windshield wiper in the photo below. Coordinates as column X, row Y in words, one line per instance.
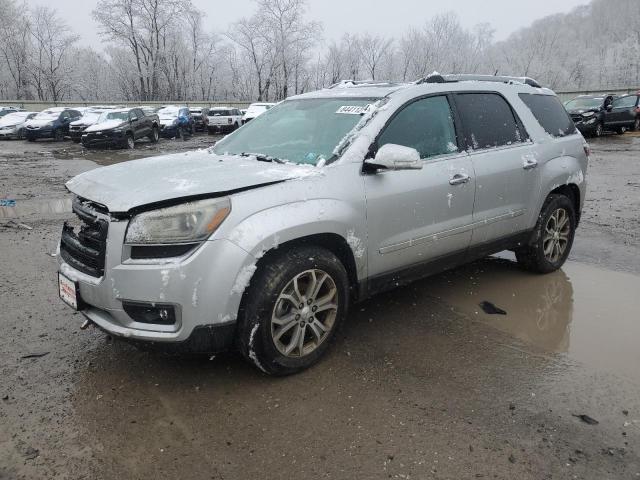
column 261, row 157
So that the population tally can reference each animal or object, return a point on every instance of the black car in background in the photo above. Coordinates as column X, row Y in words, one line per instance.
column 623, row 114
column 90, row 117
column 587, row 112
column 121, row 128
column 51, row 123
column 200, row 118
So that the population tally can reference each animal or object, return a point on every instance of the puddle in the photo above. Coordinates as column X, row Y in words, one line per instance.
column 25, row 208
column 590, row 314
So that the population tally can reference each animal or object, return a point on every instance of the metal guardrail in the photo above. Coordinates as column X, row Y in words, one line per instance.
column 37, row 105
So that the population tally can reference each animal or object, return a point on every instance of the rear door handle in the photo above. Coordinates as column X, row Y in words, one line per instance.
column 459, row 179
column 530, row 163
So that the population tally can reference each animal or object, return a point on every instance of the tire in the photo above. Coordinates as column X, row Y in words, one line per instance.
column 75, row 140
column 154, row 136
column 621, row 130
column 599, row 131
column 636, row 125
column 180, row 134
column 263, row 303
column 58, row 135
column 129, row 142
column 555, row 231
column 193, row 130
column 209, row 130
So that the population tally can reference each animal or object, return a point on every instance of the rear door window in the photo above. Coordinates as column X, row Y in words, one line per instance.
column 550, row 113
column 426, row 125
column 488, row 121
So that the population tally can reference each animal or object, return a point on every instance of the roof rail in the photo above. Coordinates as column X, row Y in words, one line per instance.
column 359, row 83
column 437, row 78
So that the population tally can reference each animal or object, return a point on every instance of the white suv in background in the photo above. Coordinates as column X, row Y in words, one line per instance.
column 223, row 119
column 256, row 109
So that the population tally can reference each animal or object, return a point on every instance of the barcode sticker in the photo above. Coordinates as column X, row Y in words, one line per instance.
column 352, row 110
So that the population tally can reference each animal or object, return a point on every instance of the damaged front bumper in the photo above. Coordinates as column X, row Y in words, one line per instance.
column 196, row 290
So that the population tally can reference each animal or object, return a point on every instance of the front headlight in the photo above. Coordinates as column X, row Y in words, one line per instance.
column 588, row 114
column 185, row 223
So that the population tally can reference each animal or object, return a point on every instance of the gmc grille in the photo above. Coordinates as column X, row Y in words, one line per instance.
column 84, row 243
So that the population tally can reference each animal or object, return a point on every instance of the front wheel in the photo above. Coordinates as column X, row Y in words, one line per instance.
column 599, row 131
column 130, row 143
column 292, row 309
column 552, row 237
column 636, row 125
column 58, row 135
column 621, row 130
column 154, row 136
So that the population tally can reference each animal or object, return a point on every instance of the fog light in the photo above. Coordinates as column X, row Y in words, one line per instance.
column 151, row 313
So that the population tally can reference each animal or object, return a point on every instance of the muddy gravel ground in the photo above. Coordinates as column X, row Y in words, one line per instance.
column 420, row 383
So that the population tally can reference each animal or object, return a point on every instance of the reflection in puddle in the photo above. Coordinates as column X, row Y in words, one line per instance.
column 586, row 312
column 24, row 208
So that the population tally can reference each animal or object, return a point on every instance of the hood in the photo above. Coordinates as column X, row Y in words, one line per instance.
column 580, row 111
column 106, row 125
column 4, row 122
column 82, row 123
column 38, row 123
column 127, row 185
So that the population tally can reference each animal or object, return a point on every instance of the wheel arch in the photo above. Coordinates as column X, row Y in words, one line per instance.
column 571, row 191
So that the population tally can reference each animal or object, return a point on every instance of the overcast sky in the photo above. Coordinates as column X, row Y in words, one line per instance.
column 354, row 16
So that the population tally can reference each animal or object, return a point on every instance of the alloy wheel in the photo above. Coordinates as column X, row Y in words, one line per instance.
column 304, row 313
column 599, row 130
column 556, row 235
column 130, row 142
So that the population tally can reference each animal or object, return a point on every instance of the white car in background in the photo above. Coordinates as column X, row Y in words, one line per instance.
column 223, row 119
column 12, row 124
column 256, row 109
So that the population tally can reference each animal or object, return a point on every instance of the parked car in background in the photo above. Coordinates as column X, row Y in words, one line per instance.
column 588, row 113
column 12, row 124
column 90, row 117
column 265, row 240
column 623, row 114
column 51, row 123
column 255, row 110
column 224, row 119
column 200, row 118
column 7, row 110
column 175, row 122
column 121, row 128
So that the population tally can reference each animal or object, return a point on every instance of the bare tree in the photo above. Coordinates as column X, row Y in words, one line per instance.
column 15, row 44
column 373, row 49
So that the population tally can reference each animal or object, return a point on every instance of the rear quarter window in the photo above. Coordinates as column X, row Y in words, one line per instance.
column 550, row 113
column 488, row 121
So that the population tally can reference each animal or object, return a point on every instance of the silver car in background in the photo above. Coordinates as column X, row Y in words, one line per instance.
column 12, row 124
column 264, row 241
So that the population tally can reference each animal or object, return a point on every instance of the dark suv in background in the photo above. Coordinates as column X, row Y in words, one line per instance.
column 200, row 118
column 121, row 128
column 596, row 114
column 623, row 114
column 51, row 123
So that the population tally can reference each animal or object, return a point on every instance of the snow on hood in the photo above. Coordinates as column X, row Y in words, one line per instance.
column 106, row 125
column 38, row 123
column 126, row 185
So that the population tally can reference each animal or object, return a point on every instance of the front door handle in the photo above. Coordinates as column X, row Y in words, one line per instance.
column 530, row 163
column 459, row 179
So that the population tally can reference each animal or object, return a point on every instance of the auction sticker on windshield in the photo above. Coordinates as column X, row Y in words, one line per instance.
column 352, row 109
column 68, row 291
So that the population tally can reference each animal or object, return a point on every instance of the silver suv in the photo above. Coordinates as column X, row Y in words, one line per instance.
column 264, row 240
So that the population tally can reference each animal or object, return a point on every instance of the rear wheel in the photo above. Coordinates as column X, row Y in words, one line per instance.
column 621, row 130
column 636, row 125
column 292, row 309
column 552, row 238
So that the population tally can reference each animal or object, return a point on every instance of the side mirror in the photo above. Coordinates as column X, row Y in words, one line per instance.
column 133, row 119
column 609, row 107
column 395, row 157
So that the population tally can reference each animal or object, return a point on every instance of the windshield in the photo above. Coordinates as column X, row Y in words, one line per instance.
column 298, row 131
column 124, row 116
column 47, row 115
column 578, row 103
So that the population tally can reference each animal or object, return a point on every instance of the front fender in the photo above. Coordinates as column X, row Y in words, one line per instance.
column 268, row 229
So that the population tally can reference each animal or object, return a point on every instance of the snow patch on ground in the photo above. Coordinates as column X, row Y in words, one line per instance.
column 356, row 244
